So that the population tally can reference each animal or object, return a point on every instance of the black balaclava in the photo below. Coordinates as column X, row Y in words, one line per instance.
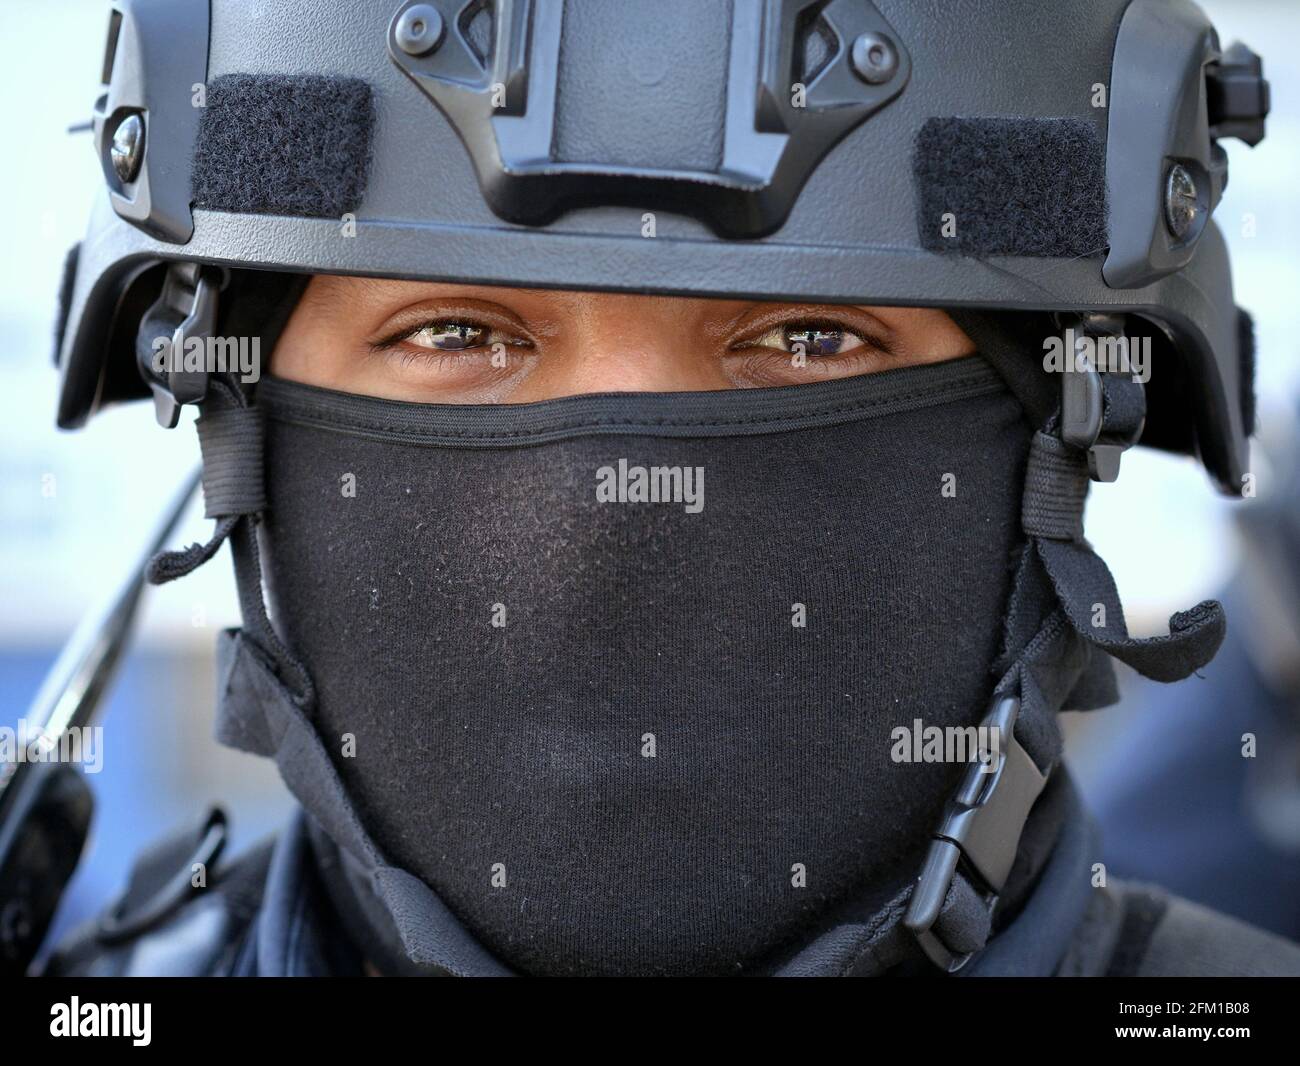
column 622, row 737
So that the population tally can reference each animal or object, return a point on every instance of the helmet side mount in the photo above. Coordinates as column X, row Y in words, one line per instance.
column 1173, row 94
column 145, row 122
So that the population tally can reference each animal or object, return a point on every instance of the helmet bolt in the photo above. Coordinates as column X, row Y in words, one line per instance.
column 127, row 148
column 1181, row 205
column 419, row 30
column 874, row 58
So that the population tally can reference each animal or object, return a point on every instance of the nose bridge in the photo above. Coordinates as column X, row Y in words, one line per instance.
column 639, row 368
column 625, row 343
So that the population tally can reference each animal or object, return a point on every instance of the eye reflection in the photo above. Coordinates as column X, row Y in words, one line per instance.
column 812, row 339
column 816, row 340
column 450, row 336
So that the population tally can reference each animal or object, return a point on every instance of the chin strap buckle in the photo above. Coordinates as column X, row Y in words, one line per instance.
column 1102, row 413
column 187, row 310
column 980, row 831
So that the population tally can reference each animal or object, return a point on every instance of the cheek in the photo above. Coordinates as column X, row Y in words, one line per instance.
column 326, row 340
column 336, row 355
column 288, row 362
column 313, row 348
column 318, row 361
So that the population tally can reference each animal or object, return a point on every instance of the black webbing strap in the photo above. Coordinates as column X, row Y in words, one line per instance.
column 1063, row 621
column 1087, row 593
column 231, row 441
column 169, row 565
column 1124, row 405
column 1056, row 486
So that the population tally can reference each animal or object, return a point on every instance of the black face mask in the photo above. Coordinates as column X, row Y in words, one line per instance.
column 616, row 676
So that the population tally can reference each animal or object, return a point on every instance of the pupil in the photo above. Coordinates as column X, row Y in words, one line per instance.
column 815, row 341
column 453, row 336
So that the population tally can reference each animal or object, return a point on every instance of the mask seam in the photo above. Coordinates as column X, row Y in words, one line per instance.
column 959, row 389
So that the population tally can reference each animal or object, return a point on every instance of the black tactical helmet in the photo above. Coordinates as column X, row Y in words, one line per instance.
column 832, row 150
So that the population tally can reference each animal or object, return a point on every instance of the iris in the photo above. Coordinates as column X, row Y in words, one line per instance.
column 816, row 340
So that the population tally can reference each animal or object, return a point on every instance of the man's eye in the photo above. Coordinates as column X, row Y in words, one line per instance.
column 450, row 336
column 809, row 338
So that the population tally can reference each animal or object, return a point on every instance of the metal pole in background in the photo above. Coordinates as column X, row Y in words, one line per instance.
column 45, row 804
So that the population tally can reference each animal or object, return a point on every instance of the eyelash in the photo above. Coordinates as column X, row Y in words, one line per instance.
column 493, row 336
column 869, row 342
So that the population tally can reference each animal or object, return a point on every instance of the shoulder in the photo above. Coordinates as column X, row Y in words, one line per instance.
column 183, row 913
column 1162, row 935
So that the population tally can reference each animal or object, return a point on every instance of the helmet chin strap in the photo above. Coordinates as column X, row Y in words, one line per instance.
column 1064, row 613
column 195, row 303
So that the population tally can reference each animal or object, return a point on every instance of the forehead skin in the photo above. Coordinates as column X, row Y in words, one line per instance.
column 562, row 343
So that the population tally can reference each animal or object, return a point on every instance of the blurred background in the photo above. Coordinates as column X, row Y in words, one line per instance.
column 76, row 509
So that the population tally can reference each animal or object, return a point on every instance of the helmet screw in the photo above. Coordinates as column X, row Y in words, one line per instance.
column 1181, row 206
column 874, row 58
column 419, row 30
column 127, row 148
